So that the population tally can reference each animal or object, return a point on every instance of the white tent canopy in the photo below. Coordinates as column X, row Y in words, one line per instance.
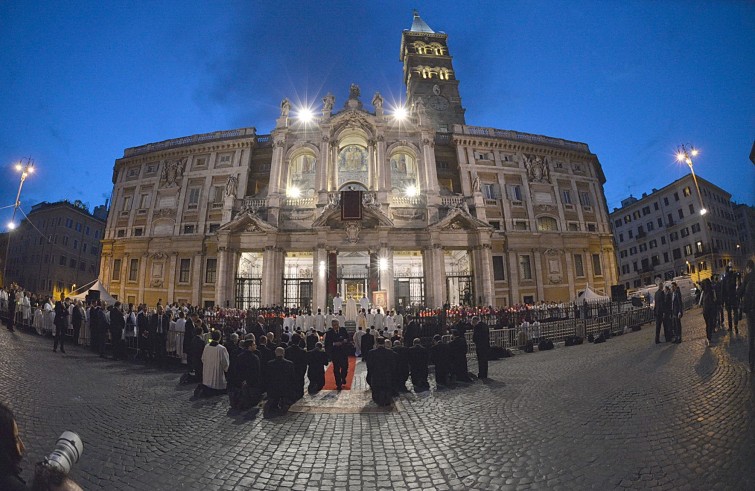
column 591, row 296
column 97, row 285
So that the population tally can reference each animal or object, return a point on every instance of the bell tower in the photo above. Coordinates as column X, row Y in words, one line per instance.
column 429, row 75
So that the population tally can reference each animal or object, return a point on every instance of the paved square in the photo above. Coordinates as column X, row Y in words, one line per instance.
column 624, row 414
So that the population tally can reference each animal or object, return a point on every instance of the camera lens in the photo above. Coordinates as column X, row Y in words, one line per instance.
column 67, row 452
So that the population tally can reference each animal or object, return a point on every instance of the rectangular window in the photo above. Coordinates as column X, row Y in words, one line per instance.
column 684, row 232
column 94, row 251
column 217, row 194
column 655, row 206
column 210, row 270
column 193, row 201
column 660, row 222
column 631, row 234
column 681, row 213
column 62, row 260
column 688, row 250
column 624, row 269
column 515, row 192
column 78, row 227
column 489, row 190
column 224, row 160
column 643, row 247
column 686, row 191
column 116, row 275
column 617, row 223
column 676, row 196
column 677, row 253
column 596, row 267
column 645, row 210
column 665, row 257
column 663, row 240
column 72, row 263
column 138, row 232
column 87, row 230
column 579, row 268
column 691, row 209
column 632, row 251
column 650, row 226
column 525, row 270
column 653, row 244
column 215, row 226
column 133, row 270
column 621, row 237
column 144, row 202
column 75, row 244
column 184, row 270
column 188, row 229
column 498, row 273
column 127, row 203
column 566, row 199
column 695, row 228
column 665, row 201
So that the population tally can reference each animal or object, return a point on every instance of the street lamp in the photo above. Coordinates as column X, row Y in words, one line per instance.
column 25, row 169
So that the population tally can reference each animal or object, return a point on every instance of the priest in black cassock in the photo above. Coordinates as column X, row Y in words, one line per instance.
column 281, row 385
column 381, row 366
column 317, row 360
column 418, row 358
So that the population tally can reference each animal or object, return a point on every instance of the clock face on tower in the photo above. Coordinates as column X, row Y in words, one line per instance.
column 438, row 102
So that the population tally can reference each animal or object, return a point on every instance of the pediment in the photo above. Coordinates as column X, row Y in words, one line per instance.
column 459, row 219
column 353, row 118
column 247, row 222
column 371, row 218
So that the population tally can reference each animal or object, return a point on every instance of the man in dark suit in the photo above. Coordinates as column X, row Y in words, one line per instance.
column 411, row 332
column 439, row 357
column 317, row 360
column 61, row 324
column 258, row 328
column 367, row 343
column 401, row 372
column 117, row 325
column 658, row 311
column 142, row 327
column 281, row 391
column 381, row 366
column 159, row 325
column 481, row 339
column 189, row 332
column 11, row 310
column 337, row 346
column 418, row 358
column 265, row 354
column 248, row 375
column 457, row 349
column 677, row 311
column 668, row 322
column 99, row 326
column 298, row 357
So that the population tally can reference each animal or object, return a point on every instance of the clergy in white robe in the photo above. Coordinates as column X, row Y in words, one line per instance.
column 362, row 320
column 319, row 321
column 26, row 309
column 364, row 303
column 337, row 303
column 377, row 321
column 49, row 317
column 215, row 363
column 351, row 310
column 389, row 323
column 399, row 321
column 39, row 320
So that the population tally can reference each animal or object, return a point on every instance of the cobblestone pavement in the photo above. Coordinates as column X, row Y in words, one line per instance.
column 624, row 414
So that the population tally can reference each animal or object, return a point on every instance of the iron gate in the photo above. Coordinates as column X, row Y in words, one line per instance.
column 460, row 290
column 248, row 293
column 297, row 292
column 409, row 292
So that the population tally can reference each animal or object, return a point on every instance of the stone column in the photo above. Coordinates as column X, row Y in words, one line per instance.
column 171, row 266
column 570, row 279
column 197, row 281
column 142, row 277
column 276, row 165
column 435, row 276
column 268, row 273
column 386, row 275
column 123, row 272
column 537, row 259
column 222, row 277
column 428, row 161
column 320, row 277
column 483, row 274
column 323, row 165
column 514, row 277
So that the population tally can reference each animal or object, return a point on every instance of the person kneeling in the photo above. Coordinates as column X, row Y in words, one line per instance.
column 215, row 363
column 381, row 367
column 281, row 385
column 317, row 360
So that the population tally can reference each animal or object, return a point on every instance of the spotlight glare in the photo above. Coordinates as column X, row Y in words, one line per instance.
column 11, row 225
column 400, row 113
column 680, row 157
column 305, row 115
column 695, row 152
column 19, row 167
column 383, row 263
column 411, row 191
column 703, row 211
column 294, row 192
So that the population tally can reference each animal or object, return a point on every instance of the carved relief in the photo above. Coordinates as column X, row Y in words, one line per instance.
column 172, row 173
column 352, row 232
column 408, row 214
column 231, row 186
column 298, row 215
column 537, row 168
column 165, row 213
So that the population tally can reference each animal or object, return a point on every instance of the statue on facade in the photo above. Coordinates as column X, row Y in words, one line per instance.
column 231, row 186
column 285, row 108
column 475, row 182
column 354, row 91
column 377, row 102
column 327, row 103
column 537, row 169
column 172, row 172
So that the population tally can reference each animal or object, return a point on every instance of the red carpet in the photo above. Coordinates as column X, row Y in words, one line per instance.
column 330, row 379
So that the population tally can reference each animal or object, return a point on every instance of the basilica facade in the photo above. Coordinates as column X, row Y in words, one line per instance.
column 409, row 210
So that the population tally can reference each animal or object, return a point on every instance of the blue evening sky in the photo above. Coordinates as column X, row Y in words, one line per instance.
column 81, row 80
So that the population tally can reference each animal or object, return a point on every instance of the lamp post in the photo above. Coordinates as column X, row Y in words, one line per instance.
column 25, row 169
column 684, row 154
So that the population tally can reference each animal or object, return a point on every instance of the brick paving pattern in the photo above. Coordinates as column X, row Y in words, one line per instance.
column 623, row 414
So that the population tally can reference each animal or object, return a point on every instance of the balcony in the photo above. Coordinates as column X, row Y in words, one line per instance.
column 253, row 204
column 451, row 201
column 406, row 201
column 492, row 202
column 300, row 202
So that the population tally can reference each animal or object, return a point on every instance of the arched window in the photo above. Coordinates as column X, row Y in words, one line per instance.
column 353, row 159
column 403, row 173
column 547, row 224
column 437, row 49
column 301, row 176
